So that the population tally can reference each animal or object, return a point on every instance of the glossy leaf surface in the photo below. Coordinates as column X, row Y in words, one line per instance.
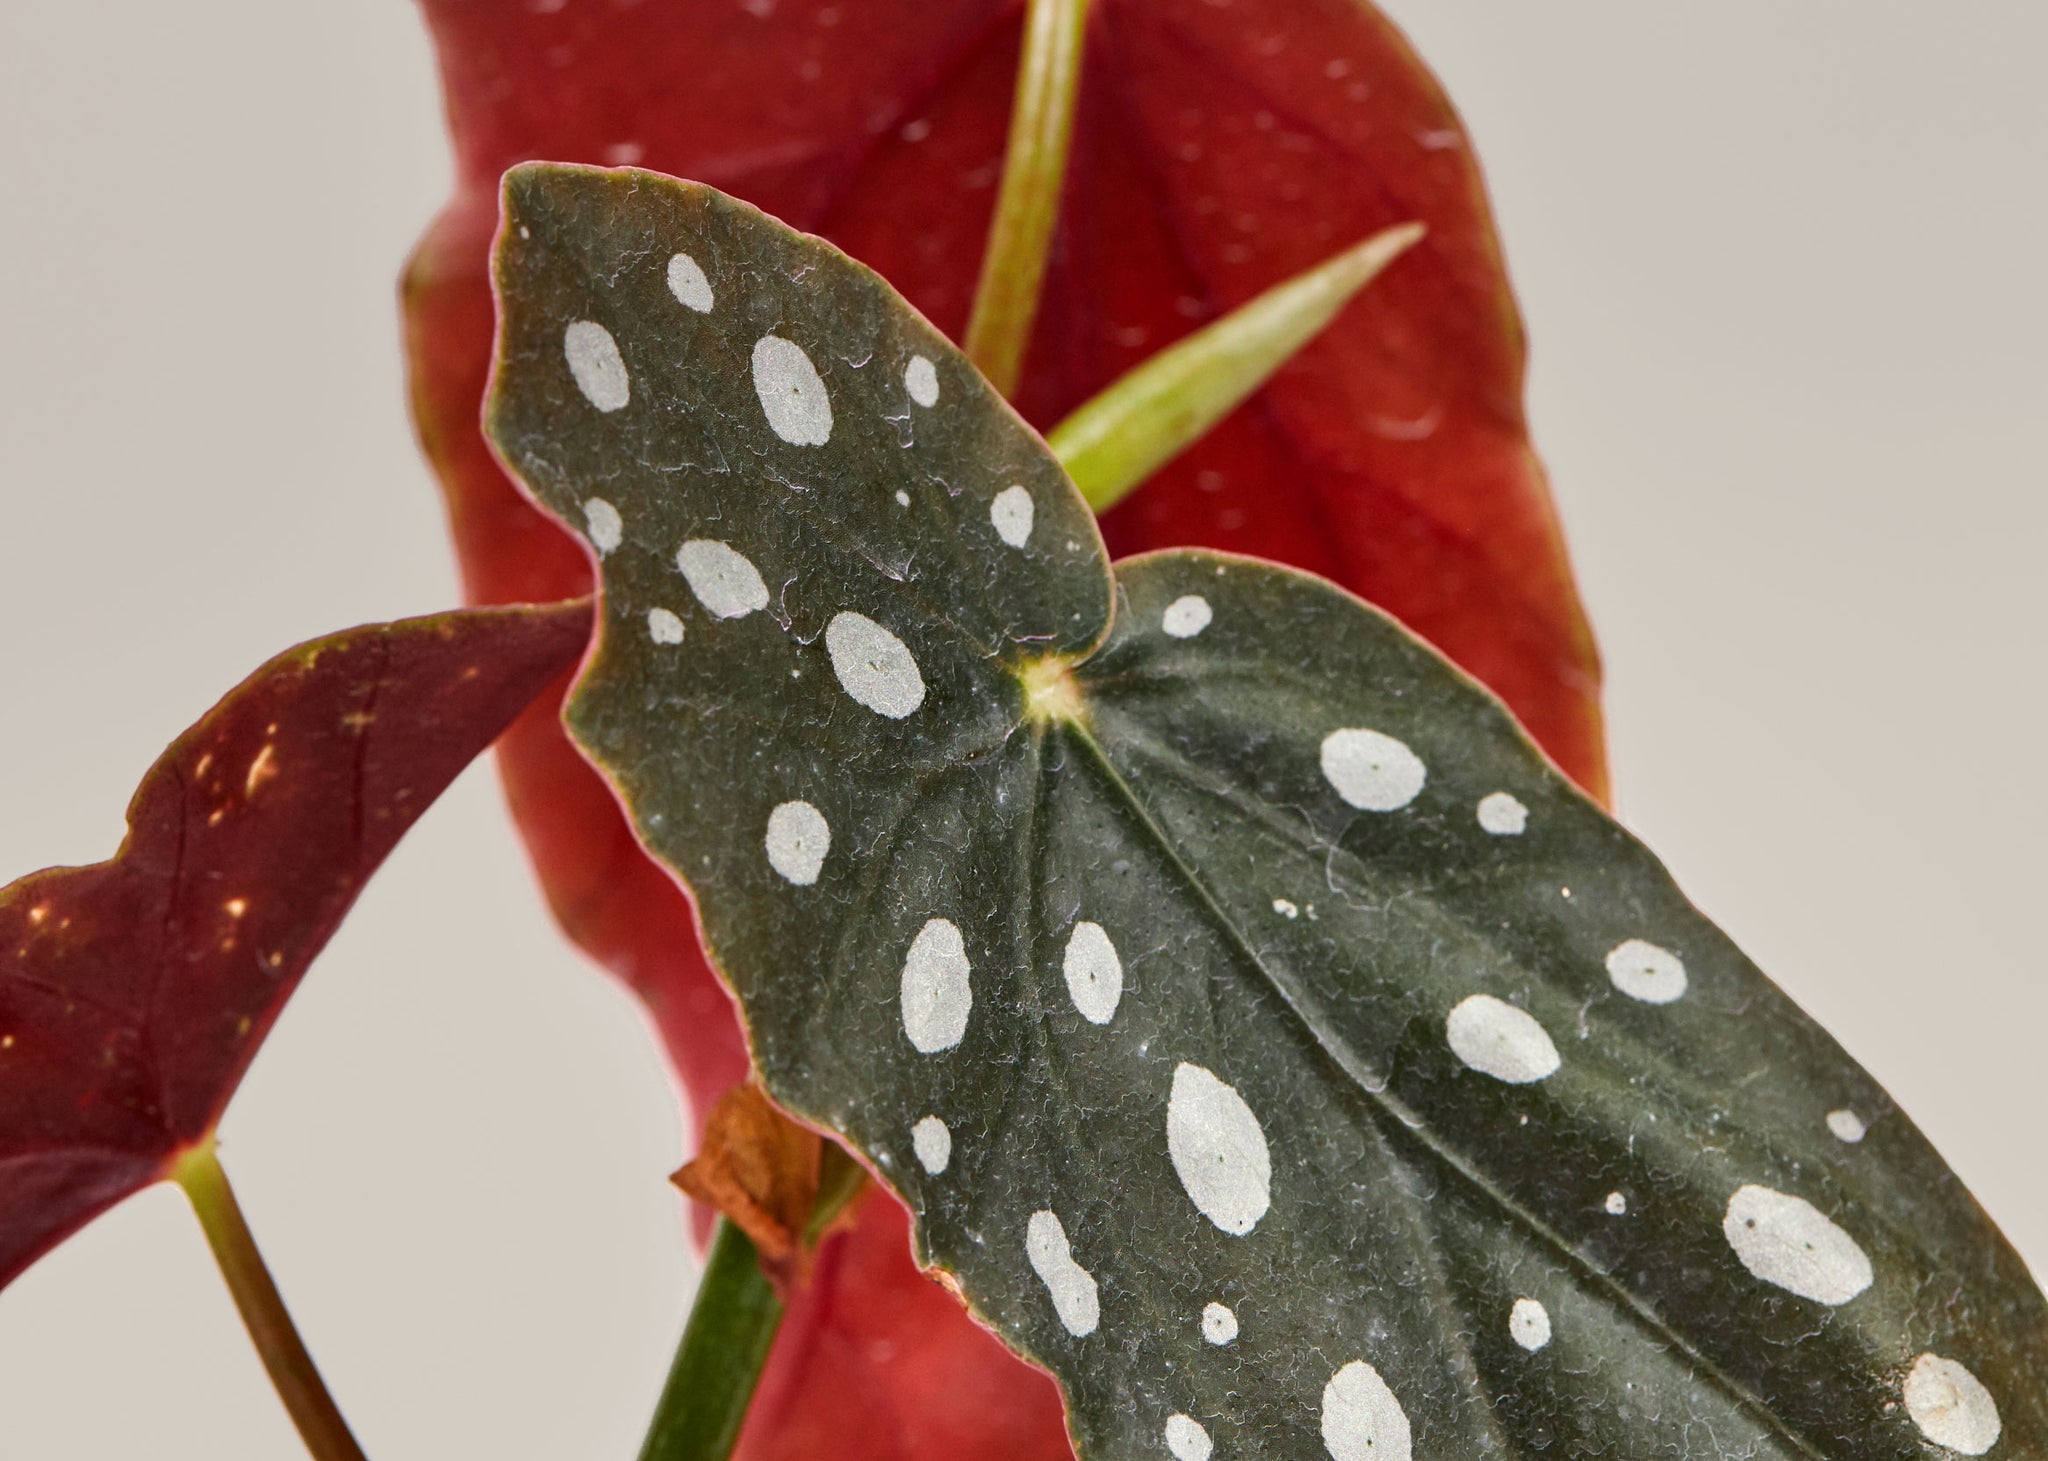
column 135, row 992
column 1268, row 1040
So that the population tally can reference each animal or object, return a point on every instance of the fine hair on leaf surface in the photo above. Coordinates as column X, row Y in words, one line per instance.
column 1266, row 1038
column 1393, row 454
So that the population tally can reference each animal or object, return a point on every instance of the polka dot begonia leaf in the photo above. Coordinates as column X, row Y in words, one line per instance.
column 1263, row 1035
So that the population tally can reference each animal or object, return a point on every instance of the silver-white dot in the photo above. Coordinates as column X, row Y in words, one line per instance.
column 1951, row 1406
column 1503, row 815
column 1095, row 975
column 1186, row 616
column 1529, row 1324
column 664, row 627
column 607, row 528
column 1372, row 771
column 1186, row 1439
column 921, row 379
column 1788, row 1242
column 1363, row 1419
column 935, row 993
column 724, row 580
column 875, row 667
column 903, row 499
column 1219, row 1151
column 1847, row 1126
column 1286, row 908
column 791, row 392
column 1013, row 512
column 687, row 283
column 1495, row 1038
column 1616, row 1205
column 1074, row 1295
column 595, row 362
column 1641, row 970
column 932, row 1140
column 1219, row 1323
column 798, row 838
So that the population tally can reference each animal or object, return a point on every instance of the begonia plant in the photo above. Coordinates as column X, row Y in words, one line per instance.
column 1074, row 656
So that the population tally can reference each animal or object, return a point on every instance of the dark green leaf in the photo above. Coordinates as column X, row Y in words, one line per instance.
column 1272, row 1044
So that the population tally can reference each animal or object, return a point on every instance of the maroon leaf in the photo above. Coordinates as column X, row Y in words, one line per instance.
column 135, row 992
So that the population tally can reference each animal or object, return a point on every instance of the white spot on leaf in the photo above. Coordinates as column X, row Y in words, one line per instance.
column 1218, row 1150
column 1186, row 616
column 1951, row 1406
column 1012, row 512
column 1495, row 1038
column 1373, row 772
column 1095, row 975
column 935, row 993
column 1362, row 1419
column 1529, row 1324
column 663, row 627
column 1503, row 815
column 607, row 528
column 1074, row 1295
column 921, row 379
column 1286, row 908
column 1847, row 1126
column 1787, row 1241
column 792, row 394
column 594, row 360
column 798, row 839
column 687, row 283
column 1641, row 970
column 1186, row 1439
column 932, row 1140
column 874, row 666
column 1616, row 1205
column 723, row 580
column 1219, row 1323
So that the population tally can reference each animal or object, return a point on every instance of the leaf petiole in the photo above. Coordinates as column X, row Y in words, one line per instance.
column 1034, row 168
column 1143, row 420
column 270, row 1327
column 732, row 1327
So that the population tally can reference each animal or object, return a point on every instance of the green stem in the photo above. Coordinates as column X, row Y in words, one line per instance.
column 725, row 1344
column 1041, row 129
column 270, row 1327
column 840, row 1180
column 1150, row 415
column 732, row 1327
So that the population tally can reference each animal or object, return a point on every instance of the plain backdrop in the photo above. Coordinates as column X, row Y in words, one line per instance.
column 1782, row 262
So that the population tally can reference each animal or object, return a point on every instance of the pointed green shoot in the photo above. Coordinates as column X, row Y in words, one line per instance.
column 1035, row 166
column 1154, row 413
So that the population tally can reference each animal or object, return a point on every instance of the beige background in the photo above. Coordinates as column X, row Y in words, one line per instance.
column 1783, row 264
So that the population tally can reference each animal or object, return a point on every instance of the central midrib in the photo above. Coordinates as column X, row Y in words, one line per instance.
column 1408, row 1126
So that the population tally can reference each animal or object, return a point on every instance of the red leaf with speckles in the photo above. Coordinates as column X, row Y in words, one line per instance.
column 135, row 992
column 1219, row 148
